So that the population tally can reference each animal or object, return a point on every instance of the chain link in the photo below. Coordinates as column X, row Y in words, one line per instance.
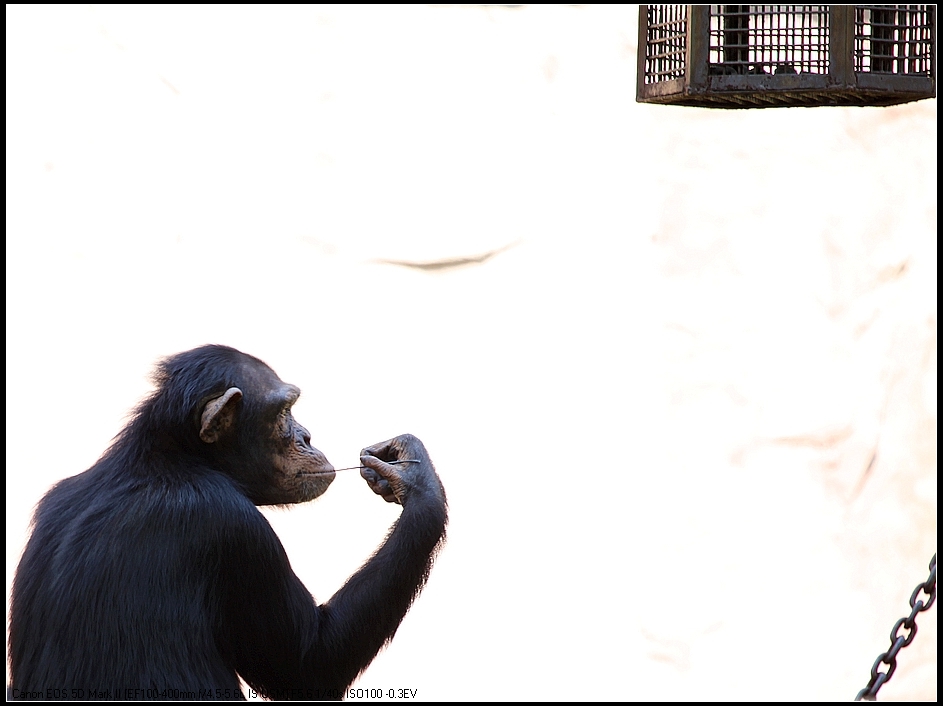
column 898, row 642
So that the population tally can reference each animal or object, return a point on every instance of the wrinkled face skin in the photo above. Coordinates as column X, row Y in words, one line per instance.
column 255, row 439
column 300, row 472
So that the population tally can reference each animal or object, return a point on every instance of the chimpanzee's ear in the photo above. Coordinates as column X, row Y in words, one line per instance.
column 219, row 415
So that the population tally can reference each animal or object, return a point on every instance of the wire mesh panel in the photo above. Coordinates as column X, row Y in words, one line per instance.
column 665, row 43
column 745, row 56
column 777, row 39
column 894, row 39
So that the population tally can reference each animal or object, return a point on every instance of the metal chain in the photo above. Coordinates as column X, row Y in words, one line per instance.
column 878, row 679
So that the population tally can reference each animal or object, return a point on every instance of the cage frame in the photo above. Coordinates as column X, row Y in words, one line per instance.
column 841, row 85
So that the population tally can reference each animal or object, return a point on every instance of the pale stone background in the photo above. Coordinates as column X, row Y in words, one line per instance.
column 654, row 414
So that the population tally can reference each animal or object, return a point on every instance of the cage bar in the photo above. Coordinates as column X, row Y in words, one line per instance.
column 764, row 56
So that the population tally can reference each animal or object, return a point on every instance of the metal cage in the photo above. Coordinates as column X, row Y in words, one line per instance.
column 766, row 56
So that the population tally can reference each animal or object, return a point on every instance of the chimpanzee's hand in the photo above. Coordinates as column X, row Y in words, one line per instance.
column 406, row 481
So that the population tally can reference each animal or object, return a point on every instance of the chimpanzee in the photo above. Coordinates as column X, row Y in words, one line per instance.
column 153, row 576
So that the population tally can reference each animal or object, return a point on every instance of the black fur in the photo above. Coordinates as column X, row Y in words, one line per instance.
column 153, row 575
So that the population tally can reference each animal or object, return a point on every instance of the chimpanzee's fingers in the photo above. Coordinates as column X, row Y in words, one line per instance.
column 382, row 486
column 383, row 450
column 376, row 466
column 399, row 448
